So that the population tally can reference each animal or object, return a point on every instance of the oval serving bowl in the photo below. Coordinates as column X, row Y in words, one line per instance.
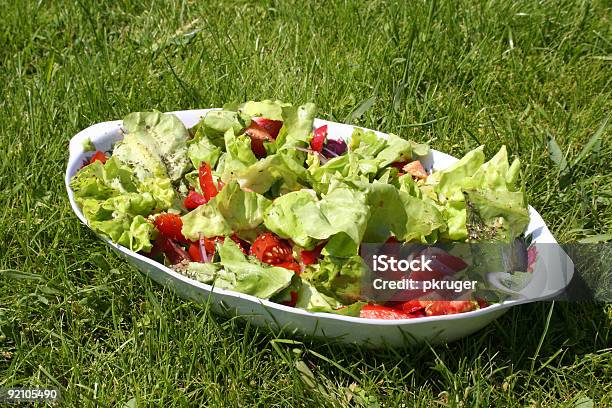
column 552, row 270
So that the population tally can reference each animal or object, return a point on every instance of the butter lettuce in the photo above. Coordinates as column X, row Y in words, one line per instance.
column 481, row 201
column 203, row 150
column 206, row 220
column 241, row 209
column 155, row 144
column 280, row 169
column 230, row 211
column 297, row 127
column 266, row 109
column 238, row 157
column 340, row 216
column 398, row 150
column 216, row 123
column 115, row 203
column 339, row 278
column 248, row 275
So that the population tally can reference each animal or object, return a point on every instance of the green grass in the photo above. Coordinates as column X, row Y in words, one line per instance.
column 75, row 316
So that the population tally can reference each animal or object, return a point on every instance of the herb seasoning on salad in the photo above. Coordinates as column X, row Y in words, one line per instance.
column 257, row 200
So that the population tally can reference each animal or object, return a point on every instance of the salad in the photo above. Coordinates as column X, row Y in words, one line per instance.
column 255, row 199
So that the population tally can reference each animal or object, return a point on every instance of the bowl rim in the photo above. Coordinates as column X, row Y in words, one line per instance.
column 104, row 130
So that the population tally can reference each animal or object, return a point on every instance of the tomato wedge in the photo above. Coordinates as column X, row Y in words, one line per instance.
column 310, row 257
column 170, row 226
column 258, row 135
column 98, row 156
column 206, row 181
column 446, row 307
column 271, row 126
column 399, row 165
column 416, row 170
column 318, row 139
column 194, row 200
column 292, row 265
column 410, row 306
column 194, row 252
column 372, row 311
column 209, row 247
column 271, row 249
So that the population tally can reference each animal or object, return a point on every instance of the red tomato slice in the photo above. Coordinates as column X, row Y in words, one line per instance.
column 482, row 303
column 445, row 307
column 258, row 136
column 206, row 181
column 209, row 247
column 170, row 225
column 310, row 257
column 271, row 126
column 415, row 169
column 399, row 165
column 271, row 249
column 411, row 306
column 292, row 265
column 194, row 200
column 194, row 252
column 98, row 156
column 372, row 311
column 318, row 139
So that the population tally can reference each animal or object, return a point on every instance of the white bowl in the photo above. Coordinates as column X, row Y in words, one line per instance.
column 552, row 271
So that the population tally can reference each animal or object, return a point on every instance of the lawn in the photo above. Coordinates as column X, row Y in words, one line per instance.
column 535, row 76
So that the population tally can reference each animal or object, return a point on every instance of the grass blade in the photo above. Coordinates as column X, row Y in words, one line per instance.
column 594, row 142
column 556, row 155
column 363, row 107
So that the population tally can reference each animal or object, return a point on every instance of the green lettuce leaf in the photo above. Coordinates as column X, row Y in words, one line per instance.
column 398, row 150
column 448, row 182
column 388, row 214
column 239, row 156
column 229, row 211
column 266, row 109
column 309, row 298
column 297, row 127
column 216, row 123
column 338, row 278
column 340, row 216
column 281, row 169
column 247, row 275
column 203, row 150
column 115, row 203
column 204, row 272
column 206, row 220
column 481, row 201
column 495, row 215
column 241, row 209
column 422, row 220
column 283, row 216
column 135, row 233
column 155, row 145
